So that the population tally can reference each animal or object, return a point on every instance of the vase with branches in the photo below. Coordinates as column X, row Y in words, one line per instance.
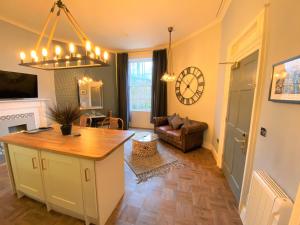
column 65, row 116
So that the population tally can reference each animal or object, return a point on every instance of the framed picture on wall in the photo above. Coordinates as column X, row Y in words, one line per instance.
column 285, row 85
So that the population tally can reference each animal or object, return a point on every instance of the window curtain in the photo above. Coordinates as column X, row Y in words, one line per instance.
column 159, row 88
column 123, row 90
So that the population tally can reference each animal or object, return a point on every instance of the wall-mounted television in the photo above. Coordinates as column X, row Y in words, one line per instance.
column 15, row 85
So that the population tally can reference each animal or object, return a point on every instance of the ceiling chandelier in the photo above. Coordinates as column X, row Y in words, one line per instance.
column 84, row 55
column 169, row 75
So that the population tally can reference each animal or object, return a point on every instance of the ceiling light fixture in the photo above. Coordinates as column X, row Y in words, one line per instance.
column 169, row 75
column 88, row 55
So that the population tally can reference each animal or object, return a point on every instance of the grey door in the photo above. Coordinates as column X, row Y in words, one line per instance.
column 242, row 86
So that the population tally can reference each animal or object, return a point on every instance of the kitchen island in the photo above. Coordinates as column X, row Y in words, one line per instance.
column 81, row 176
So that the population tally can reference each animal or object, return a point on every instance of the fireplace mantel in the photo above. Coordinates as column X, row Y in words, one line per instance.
column 22, row 106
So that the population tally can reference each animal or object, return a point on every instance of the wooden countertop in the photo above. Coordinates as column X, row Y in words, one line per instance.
column 94, row 143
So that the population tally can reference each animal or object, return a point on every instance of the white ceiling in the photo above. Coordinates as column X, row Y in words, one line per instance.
column 118, row 24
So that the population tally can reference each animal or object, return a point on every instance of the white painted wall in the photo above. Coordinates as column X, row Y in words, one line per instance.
column 239, row 15
column 279, row 152
column 12, row 41
column 202, row 51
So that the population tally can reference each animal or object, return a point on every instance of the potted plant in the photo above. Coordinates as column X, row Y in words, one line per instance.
column 65, row 116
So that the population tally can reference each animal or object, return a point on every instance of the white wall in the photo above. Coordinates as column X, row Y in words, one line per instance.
column 279, row 152
column 239, row 14
column 202, row 51
column 12, row 41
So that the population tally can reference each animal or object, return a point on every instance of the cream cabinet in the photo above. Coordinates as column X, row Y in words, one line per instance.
column 27, row 174
column 62, row 179
column 84, row 188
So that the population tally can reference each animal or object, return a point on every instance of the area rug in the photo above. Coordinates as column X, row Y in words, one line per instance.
column 147, row 167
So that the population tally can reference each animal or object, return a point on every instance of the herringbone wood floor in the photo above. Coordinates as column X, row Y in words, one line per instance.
column 195, row 195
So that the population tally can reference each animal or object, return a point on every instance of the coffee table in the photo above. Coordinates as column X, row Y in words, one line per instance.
column 144, row 144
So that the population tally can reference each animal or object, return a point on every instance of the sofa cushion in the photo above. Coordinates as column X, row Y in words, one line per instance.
column 175, row 134
column 170, row 118
column 176, row 122
column 164, row 129
column 187, row 122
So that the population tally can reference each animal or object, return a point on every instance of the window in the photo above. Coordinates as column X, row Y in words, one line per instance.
column 140, row 83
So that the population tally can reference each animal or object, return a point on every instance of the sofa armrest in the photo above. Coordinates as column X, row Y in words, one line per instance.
column 194, row 128
column 160, row 121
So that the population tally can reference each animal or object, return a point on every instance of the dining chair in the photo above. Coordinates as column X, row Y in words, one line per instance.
column 83, row 121
column 113, row 123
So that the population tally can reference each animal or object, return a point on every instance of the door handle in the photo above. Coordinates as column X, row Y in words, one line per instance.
column 34, row 165
column 242, row 142
column 87, row 174
column 43, row 164
column 239, row 140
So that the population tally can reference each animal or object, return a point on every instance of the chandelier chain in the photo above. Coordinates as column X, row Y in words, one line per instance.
column 76, row 23
column 77, row 29
column 53, row 29
column 44, row 28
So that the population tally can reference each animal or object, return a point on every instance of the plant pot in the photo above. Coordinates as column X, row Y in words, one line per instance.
column 66, row 129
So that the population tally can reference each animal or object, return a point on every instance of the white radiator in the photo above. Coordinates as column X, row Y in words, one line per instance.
column 267, row 204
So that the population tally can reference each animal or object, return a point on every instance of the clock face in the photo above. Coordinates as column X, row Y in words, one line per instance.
column 189, row 85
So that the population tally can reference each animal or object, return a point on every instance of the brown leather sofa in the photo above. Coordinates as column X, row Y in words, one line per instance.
column 185, row 138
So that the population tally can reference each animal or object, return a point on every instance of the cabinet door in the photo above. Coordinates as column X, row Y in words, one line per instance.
column 89, row 188
column 26, row 170
column 62, row 180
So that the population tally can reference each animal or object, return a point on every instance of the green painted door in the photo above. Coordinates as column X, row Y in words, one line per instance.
column 242, row 87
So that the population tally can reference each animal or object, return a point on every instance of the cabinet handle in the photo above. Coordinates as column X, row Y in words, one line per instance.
column 34, row 166
column 87, row 174
column 43, row 164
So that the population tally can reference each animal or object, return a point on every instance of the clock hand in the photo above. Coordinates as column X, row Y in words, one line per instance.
column 188, row 85
column 184, row 82
column 184, row 90
column 191, row 90
column 191, row 81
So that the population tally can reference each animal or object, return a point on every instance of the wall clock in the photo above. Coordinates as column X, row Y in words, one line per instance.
column 189, row 85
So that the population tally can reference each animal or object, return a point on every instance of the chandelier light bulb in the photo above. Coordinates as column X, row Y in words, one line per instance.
column 71, row 48
column 22, row 55
column 78, row 56
column 33, row 54
column 57, row 50
column 88, row 46
column 92, row 55
column 44, row 52
column 97, row 51
column 105, row 55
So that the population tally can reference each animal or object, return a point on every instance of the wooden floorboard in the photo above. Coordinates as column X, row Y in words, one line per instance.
column 195, row 195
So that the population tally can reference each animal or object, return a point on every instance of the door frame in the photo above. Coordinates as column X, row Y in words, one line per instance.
column 252, row 39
